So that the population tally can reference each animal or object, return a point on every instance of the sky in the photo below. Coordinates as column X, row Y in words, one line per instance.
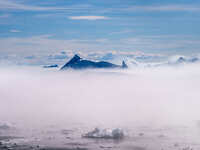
column 30, row 28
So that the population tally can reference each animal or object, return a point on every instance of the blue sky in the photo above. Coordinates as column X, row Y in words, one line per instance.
column 34, row 27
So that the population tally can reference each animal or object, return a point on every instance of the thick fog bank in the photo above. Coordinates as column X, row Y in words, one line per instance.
column 111, row 98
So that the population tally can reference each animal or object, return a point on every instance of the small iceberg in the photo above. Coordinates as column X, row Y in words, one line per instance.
column 5, row 126
column 105, row 133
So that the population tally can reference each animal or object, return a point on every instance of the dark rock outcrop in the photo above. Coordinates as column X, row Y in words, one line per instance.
column 78, row 63
column 51, row 66
column 182, row 60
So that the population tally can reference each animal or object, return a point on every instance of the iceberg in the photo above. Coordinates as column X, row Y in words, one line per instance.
column 5, row 126
column 105, row 133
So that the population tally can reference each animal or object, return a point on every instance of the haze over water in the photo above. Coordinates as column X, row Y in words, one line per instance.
column 162, row 103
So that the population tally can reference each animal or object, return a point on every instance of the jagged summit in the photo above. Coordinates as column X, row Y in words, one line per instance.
column 75, row 58
column 78, row 63
column 181, row 60
column 124, row 65
column 187, row 60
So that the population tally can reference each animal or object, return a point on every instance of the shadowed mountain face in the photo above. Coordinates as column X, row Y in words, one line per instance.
column 78, row 63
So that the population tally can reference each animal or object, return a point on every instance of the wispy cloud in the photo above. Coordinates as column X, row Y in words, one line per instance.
column 88, row 17
column 14, row 31
column 47, row 44
column 5, row 4
column 122, row 32
column 163, row 8
column 13, row 5
column 4, row 15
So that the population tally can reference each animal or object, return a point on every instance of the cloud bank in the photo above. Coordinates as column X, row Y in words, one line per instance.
column 134, row 97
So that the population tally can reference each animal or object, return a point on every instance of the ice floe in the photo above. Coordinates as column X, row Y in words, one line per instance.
column 5, row 126
column 105, row 133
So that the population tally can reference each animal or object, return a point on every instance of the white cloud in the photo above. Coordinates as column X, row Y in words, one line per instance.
column 88, row 17
column 122, row 32
column 4, row 15
column 14, row 31
column 5, row 4
column 163, row 8
column 162, row 101
column 13, row 5
column 46, row 44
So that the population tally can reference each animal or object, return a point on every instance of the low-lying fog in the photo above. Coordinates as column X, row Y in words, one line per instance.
column 150, row 97
column 154, row 96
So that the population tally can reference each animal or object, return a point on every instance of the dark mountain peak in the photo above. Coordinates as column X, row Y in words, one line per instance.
column 181, row 59
column 78, row 63
column 50, row 66
column 75, row 58
column 195, row 59
column 124, row 65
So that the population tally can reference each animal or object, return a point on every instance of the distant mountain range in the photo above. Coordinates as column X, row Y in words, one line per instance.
column 184, row 60
column 179, row 61
column 78, row 63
